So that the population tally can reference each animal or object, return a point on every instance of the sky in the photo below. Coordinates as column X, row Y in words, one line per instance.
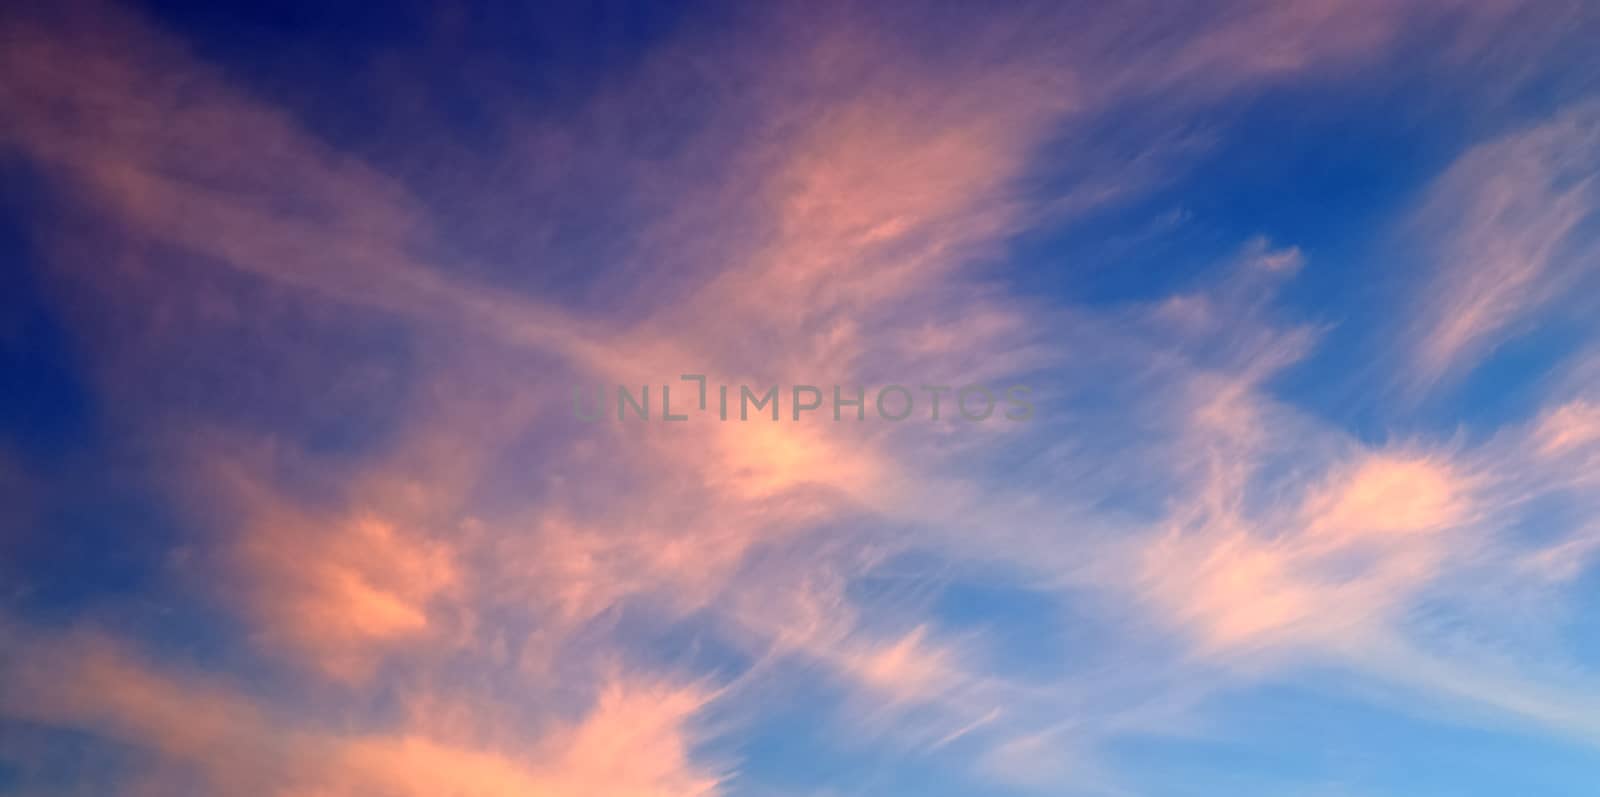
column 320, row 326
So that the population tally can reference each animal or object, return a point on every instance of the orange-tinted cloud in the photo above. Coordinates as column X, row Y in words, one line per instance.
column 872, row 196
column 631, row 741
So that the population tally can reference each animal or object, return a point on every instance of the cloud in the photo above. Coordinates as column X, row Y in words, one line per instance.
column 1507, row 221
column 630, row 741
column 1387, row 495
column 511, row 574
column 1355, row 548
column 1568, row 428
column 352, row 585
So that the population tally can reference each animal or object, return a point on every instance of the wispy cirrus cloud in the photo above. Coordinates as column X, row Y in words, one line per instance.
column 512, row 588
column 631, row 740
column 1512, row 223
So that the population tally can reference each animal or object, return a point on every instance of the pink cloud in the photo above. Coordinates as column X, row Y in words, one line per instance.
column 1504, row 217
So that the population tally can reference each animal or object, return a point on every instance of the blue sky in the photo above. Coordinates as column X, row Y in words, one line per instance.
column 1302, row 295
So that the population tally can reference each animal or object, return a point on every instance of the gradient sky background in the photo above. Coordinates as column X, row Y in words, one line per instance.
column 292, row 301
